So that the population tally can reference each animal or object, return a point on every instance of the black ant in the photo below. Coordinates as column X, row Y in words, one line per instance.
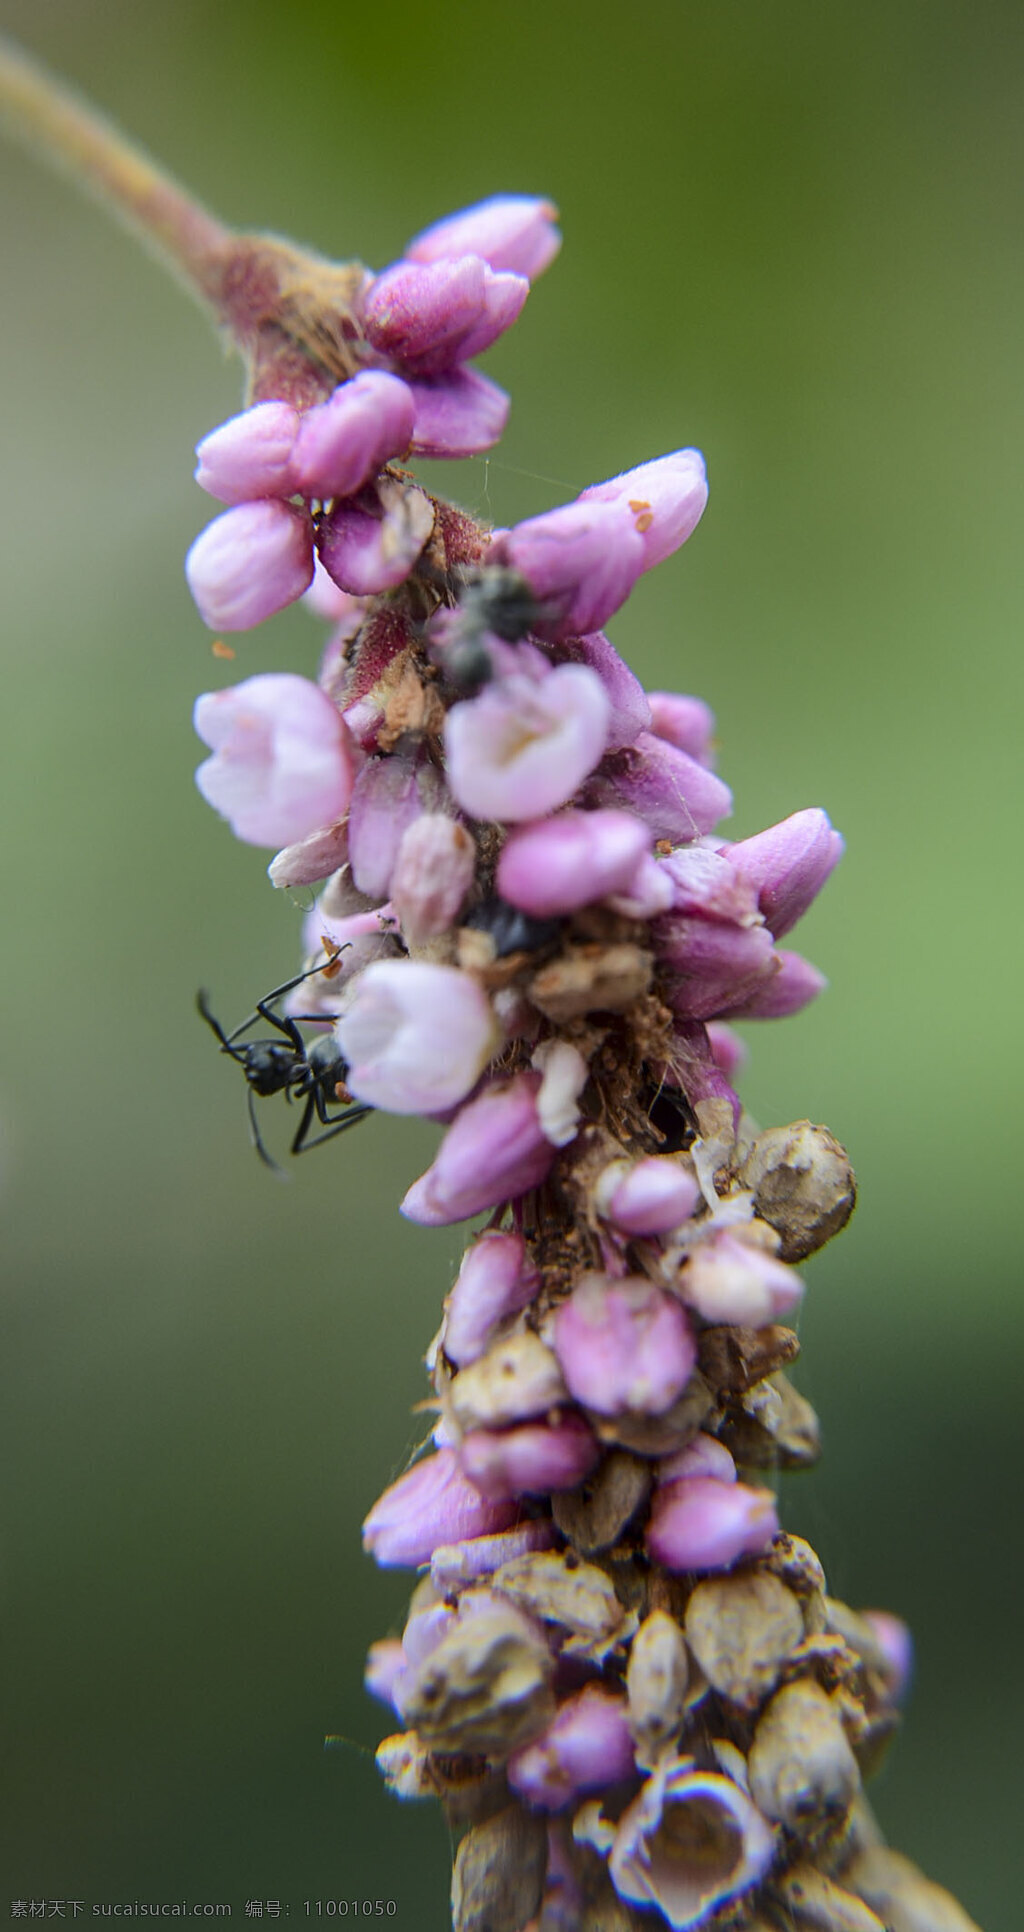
column 314, row 1074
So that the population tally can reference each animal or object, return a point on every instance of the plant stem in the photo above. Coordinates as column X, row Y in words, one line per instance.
column 72, row 136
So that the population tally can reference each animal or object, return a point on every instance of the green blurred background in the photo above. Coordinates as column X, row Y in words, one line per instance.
column 793, row 236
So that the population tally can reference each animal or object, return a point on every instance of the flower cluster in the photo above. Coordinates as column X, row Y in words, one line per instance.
column 628, row 1684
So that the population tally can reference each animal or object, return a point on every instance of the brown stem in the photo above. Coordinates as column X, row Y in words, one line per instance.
column 291, row 315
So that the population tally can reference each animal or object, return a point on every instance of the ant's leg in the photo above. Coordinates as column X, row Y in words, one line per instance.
column 257, row 1141
column 215, row 1025
column 351, row 1118
column 263, row 1006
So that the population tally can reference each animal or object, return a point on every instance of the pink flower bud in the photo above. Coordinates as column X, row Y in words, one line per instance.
column 430, row 315
column 343, row 442
column 531, row 1459
column 728, row 1051
column 687, row 723
column 580, row 562
column 712, row 966
column 727, row 1280
column 454, row 1565
column 433, row 873
column 897, row 1644
column 623, row 1345
column 495, row 1281
column 250, row 563
column 677, row 798
column 700, row 1523
column 513, row 232
column 788, row 990
column 431, row 1504
column 385, row 1665
column 649, row 1196
column 370, row 543
column 461, row 413
column 788, row 865
column 337, row 607
column 494, row 1151
column 704, row 1456
column 416, row 1037
column 389, row 795
column 559, row 864
column 250, row 455
column 311, row 859
column 586, row 1747
column 666, row 498
column 521, row 749
column 630, row 711
column 282, row 763
column 706, row 882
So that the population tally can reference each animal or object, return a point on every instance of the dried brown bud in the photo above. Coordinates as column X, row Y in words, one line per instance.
column 516, row 1378
column 577, row 1597
column 592, row 979
column 499, row 1873
column 802, row 1184
column 732, row 1359
column 902, row 1896
column 594, row 1516
column 813, row 1903
column 659, row 1435
column 794, row 1562
column 741, row 1628
column 656, row 1680
column 803, row 1773
column 773, row 1426
column 485, row 1688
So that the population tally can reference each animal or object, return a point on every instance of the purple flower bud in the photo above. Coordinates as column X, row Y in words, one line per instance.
column 250, row 455
column 700, row 1523
column 649, row 1196
column 712, row 966
column 792, row 987
column 630, row 711
column 431, row 1504
column 430, row 315
column 666, row 498
column 495, row 1150
column 389, row 795
column 347, row 613
column 416, row 1037
column 282, row 763
column 514, row 232
column 385, row 1665
column 788, row 865
column 896, row 1641
column 250, row 563
column 687, row 723
column 675, row 796
column 370, row 543
column 704, row 1456
column 623, row 1345
column 728, row 1280
column 706, row 882
column 495, row 1281
column 531, row 1459
column 728, row 1051
column 585, row 1748
column 580, row 561
column 695, row 1070
column 461, row 413
column 433, row 874
column 521, row 749
column 559, row 864
column 455, row 1565
column 343, row 442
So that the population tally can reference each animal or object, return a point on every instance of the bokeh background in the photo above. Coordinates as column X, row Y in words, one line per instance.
column 793, row 238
